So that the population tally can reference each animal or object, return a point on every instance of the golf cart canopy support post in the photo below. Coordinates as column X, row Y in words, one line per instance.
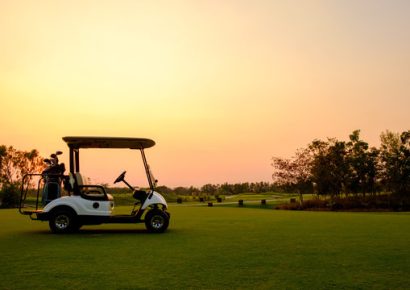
column 77, row 142
column 74, row 160
column 147, row 170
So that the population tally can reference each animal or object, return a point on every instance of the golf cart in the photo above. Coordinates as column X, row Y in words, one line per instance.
column 87, row 204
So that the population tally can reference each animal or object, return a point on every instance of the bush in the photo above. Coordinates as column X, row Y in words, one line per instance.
column 315, row 203
column 356, row 203
column 290, row 206
column 9, row 196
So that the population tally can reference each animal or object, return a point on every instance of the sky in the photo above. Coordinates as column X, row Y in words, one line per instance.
column 221, row 86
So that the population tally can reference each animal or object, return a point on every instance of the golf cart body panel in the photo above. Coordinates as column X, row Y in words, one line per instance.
column 82, row 206
column 154, row 198
column 98, row 208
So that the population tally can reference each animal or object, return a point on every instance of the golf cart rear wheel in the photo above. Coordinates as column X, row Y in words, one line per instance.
column 156, row 221
column 63, row 221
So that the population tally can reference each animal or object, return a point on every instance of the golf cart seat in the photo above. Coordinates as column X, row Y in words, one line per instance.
column 81, row 186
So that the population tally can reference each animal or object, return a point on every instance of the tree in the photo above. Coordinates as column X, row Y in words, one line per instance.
column 209, row 189
column 328, row 168
column 335, row 167
column 295, row 173
column 395, row 158
column 180, row 190
column 225, row 188
column 362, row 165
column 14, row 164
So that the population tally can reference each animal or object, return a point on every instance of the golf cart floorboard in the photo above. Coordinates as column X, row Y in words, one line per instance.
column 30, row 212
column 123, row 219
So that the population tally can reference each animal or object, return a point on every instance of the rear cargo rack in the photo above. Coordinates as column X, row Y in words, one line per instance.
column 33, row 206
column 24, row 208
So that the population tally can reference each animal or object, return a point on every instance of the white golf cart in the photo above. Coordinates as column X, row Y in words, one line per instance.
column 87, row 204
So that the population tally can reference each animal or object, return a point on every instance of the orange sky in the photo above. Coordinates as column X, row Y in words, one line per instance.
column 221, row 86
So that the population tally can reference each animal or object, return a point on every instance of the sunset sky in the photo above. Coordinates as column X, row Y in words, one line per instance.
column 221, row 86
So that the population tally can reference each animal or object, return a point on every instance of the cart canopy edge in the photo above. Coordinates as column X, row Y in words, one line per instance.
column 77, row 142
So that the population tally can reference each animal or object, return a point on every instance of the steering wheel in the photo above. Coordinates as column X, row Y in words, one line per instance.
column 121, row 177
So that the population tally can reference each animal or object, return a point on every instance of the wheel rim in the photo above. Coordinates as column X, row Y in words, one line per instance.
column 157, row 222
column 62, row 222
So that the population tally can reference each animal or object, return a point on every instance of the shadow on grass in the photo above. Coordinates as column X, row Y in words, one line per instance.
column 94, row 232
column 110, row 231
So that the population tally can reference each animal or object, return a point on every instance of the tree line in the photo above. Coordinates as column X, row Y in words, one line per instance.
column 221, row 189
column 334, row 167
column 207, row 191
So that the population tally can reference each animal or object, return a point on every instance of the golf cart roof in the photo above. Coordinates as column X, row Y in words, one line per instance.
column 108, row 142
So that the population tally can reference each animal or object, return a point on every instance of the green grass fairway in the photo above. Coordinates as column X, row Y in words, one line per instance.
column 213, row 248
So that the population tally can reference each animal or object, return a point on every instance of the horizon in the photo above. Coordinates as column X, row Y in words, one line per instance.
column 220, row 86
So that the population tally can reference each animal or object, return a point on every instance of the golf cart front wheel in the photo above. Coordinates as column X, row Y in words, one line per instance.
column 156, row 221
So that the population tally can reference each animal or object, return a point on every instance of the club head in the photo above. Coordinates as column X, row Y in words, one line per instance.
column 53, row 156
column 59, row 152
column 47, row 161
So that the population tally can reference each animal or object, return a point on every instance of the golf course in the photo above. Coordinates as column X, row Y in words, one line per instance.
column 212, row 248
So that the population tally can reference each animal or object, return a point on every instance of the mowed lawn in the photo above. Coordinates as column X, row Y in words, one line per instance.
column 212, row 248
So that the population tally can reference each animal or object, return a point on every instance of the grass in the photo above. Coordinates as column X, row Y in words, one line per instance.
column 213, row 248
column 252, row 200
column 258, row 196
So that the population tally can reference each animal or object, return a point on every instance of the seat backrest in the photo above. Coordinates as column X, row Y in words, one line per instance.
column 77, row 179
column 81, row 179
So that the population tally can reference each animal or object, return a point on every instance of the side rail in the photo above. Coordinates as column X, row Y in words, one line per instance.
column 27, row 189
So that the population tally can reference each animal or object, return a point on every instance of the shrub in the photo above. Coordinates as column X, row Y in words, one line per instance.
column 355, row 203
column 315, row 203
column 9, row 196
column 290, row 206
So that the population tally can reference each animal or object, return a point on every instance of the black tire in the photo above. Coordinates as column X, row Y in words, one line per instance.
column 63, row 221
column 156, row 221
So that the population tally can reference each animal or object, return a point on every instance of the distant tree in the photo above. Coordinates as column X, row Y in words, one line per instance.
column 238, row 188
column 362, row 163
column 193, row 191
column 180, row 190
column 283, row 174
column 226, row 188
column 258, row 187
column 3, row 156
column 164, row 189
column 395, row 158
column 294, row 174
column 209, row 189
column 329, row 168
column 373, row 171
column 14, row 164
